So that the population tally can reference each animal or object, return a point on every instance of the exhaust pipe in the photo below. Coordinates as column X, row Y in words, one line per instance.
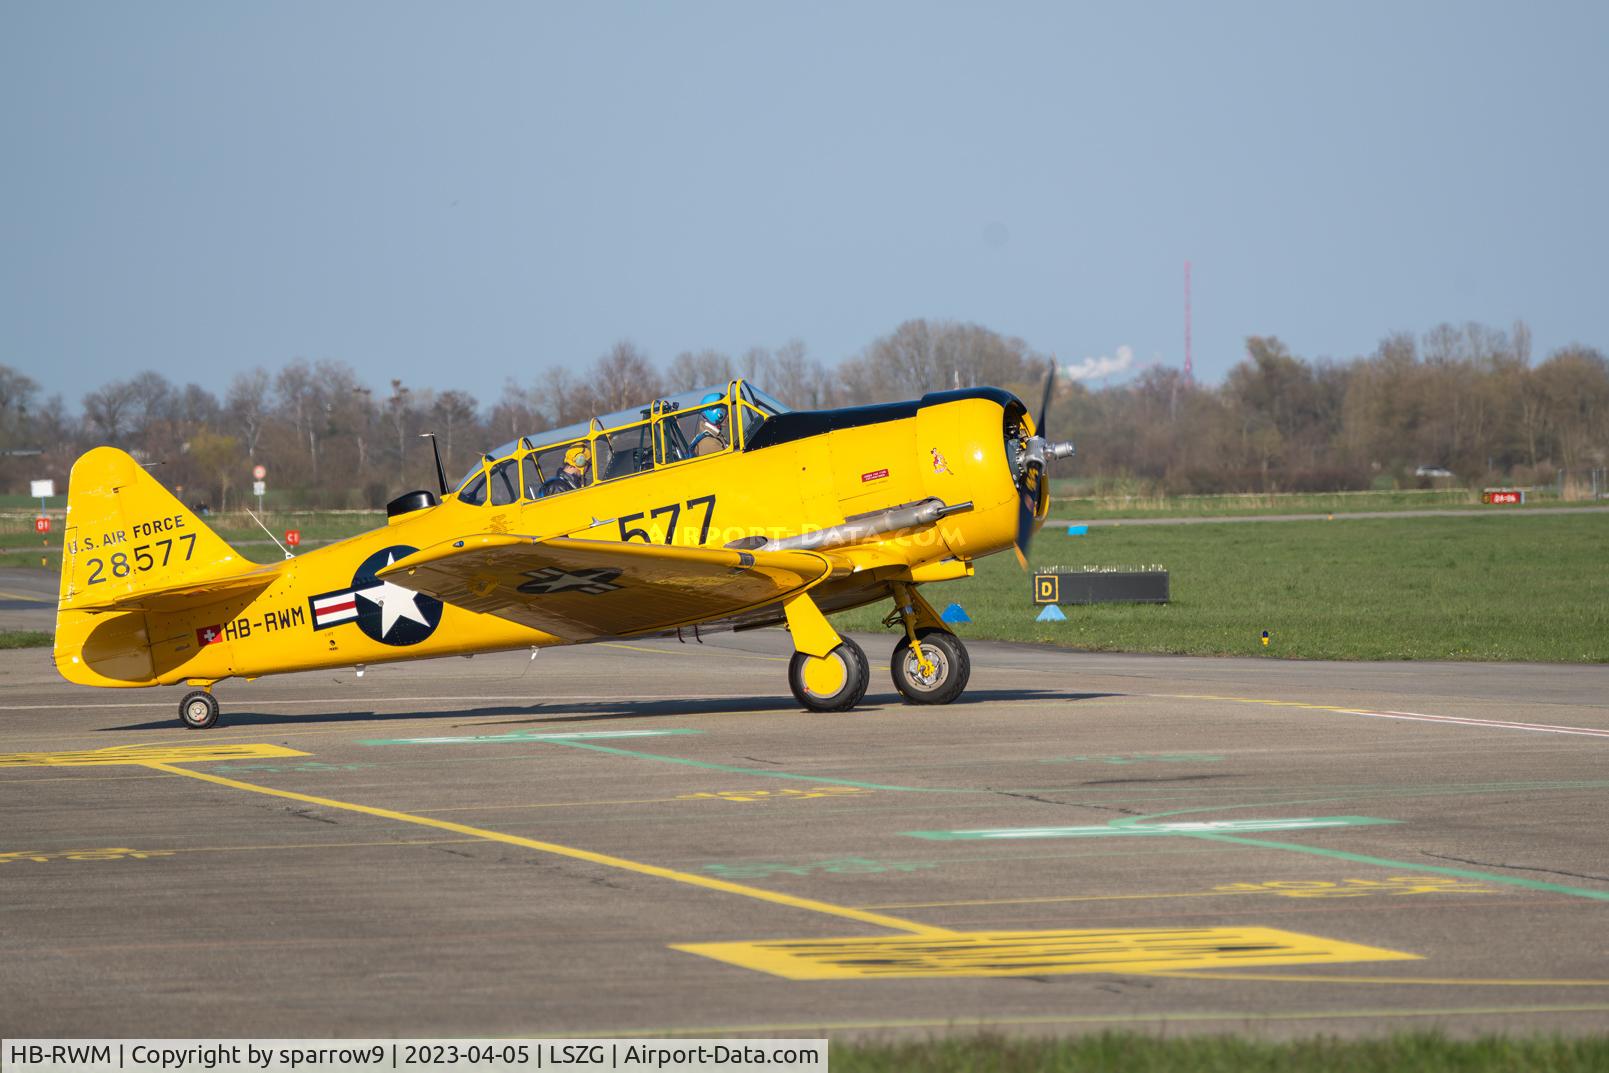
column 862, row 527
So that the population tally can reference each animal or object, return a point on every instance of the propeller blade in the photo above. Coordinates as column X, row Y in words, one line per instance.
column 1044, row 399
column 1027, row 511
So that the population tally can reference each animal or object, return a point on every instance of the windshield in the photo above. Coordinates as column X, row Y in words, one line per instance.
column 763, row 401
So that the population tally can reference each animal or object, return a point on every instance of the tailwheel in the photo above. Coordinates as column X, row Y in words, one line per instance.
column 944, row 677
column 832, row 683
column 198, row 710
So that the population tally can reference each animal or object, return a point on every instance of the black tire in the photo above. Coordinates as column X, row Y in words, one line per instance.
column 949, row 658
column 198, row 710
column 856, row 676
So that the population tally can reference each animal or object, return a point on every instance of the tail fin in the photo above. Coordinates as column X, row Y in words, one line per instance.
column 127, row 535
column 130, row 547
column 132, row 557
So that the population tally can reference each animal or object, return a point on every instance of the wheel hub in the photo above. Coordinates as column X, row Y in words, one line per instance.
column 825, row 676
column 913, row 667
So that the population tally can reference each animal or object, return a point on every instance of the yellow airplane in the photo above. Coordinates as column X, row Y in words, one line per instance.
column 708, row 511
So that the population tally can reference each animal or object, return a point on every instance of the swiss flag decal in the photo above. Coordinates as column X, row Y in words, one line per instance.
column 209, row 635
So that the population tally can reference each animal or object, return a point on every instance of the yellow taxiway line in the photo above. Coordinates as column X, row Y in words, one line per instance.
column 604, row 859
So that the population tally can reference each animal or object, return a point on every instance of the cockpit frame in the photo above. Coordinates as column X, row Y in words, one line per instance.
column 677, row 430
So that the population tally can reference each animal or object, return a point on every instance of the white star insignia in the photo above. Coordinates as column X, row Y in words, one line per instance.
column 394, row 602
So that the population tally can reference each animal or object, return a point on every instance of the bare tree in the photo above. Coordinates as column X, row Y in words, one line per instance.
column 106, row 409
column 706, row 368
column 247, row 406
column 217, row 457
column 453, row 411
column 399, row 406
column 624, row 377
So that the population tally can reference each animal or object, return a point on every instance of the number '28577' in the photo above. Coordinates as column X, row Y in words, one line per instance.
column 144, row 558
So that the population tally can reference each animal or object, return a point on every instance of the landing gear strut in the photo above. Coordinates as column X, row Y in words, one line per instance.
column 930, row 665
column 198, row 710
column 828, row 673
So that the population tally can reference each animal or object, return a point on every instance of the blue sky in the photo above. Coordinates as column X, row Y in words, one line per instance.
column 455, row 193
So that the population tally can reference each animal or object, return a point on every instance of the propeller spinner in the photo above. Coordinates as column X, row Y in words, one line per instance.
column 1033, row 486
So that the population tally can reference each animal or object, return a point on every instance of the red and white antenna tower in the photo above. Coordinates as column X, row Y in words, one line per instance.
column 1189, row 368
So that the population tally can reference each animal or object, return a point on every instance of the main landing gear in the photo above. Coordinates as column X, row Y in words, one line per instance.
column 930, row 665
column 198, row 710
column 946, row 672
column 829, row 673
column 835, row 682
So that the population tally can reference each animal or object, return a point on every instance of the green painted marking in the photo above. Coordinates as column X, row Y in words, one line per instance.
column 833, row 866
column 1121, row 828
column 764, row 772
column 528, row 735
column 1384, row 862
column 581, row 740
column 1358, row 858
column 1136, row 758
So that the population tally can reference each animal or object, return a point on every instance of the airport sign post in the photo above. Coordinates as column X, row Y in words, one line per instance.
column 42, row 490
column 1053, row 587
column 42, row 524
column 1503, row 496
column 293, row 537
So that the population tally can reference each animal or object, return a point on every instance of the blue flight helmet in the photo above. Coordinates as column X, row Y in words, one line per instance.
column 714, row 414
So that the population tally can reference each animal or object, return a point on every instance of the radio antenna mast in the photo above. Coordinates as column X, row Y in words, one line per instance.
column 1189, row 369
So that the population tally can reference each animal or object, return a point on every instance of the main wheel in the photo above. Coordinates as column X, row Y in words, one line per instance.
column 951, row 668
column 831, row 683
column 198, row 710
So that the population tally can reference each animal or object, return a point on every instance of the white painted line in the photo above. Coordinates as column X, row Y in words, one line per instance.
column 360, row 699
column 1422, row 717
column 1494, row 724
column 1182, row 827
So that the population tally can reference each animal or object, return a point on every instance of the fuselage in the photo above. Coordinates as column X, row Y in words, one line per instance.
column 802, row 471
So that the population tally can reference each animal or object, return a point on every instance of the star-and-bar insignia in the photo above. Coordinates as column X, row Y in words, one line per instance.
column 553, row 579
column 385, row 611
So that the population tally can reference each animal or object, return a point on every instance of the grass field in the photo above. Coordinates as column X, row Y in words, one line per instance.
column 1532, row 588
column 1080, row 508
column 1121, row 1052
column 1500, row 588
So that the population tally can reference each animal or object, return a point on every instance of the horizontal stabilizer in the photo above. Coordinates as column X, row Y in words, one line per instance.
column 177, row 596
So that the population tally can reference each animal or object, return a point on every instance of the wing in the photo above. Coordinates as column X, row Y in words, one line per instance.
column 584, row 589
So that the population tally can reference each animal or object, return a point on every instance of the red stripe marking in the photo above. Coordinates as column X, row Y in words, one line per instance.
column 351, row 602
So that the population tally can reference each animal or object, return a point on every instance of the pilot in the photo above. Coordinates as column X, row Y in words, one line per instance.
column 711, row 436
column 571, row 476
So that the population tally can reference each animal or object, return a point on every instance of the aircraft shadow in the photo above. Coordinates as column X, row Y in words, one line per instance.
column 603, row 710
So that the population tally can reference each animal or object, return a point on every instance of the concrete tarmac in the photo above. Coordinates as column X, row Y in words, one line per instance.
column 27, row 599
column 651, row 838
